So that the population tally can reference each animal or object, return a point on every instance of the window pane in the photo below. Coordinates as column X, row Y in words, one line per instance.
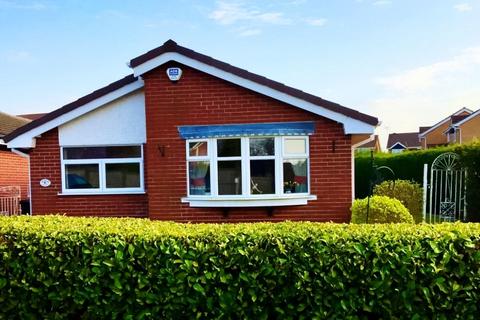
column 198, row 149
column 262, row 146
column 295, row 178
column 229, row 177
column 262, row 174
column 123, row 175
column 295, row 146
column 228, row 147
column 199, row 175
column 82, row 176
column 102, row 152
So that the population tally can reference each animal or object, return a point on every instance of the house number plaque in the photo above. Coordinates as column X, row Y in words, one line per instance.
column 45, row 183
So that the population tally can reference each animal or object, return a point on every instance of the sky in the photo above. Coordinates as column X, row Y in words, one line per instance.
column 408, row 62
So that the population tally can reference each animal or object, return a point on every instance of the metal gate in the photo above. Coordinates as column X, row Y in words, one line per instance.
column 446, row 190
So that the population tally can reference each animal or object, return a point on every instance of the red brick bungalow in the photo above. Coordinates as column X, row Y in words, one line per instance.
column 190, row 138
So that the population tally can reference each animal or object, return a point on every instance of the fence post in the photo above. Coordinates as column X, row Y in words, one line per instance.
column 425, row 190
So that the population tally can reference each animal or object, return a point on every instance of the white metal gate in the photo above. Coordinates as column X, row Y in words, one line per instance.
column 445, row 199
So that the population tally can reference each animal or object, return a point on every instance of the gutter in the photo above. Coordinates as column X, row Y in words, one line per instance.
column 26, row 156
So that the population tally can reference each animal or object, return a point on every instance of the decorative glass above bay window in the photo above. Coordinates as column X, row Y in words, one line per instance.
column 243, row 167
column 102, row 169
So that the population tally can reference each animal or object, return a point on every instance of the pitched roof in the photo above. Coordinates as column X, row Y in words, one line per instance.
column 31, row 116
column 466, row 118
column 408, row 139
column 71, row 106
column 443, row 121
column 9, row 123
column 370, row 144
column 172, row 46
column 423, row 129
column 456, row 119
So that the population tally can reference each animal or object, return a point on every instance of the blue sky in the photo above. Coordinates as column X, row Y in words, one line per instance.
column 407, row 62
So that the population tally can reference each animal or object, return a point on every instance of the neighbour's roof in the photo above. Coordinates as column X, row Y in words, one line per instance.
column 370, row 144
column 72, row 106
column 172, row 46
column 408, row 139
column 423, row 129
column 9, row 123
column 456, row 119
column 443, row 121
column 31, row 116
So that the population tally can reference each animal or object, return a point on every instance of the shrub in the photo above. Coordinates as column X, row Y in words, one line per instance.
column 382, row 210
column 74, row 268
column 409, row 193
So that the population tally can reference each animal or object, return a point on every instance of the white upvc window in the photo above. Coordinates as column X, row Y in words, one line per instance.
column 248, row 168
column 102, row 169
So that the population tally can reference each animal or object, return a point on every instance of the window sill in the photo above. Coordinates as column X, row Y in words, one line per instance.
column 230, row 202
column 99, row 193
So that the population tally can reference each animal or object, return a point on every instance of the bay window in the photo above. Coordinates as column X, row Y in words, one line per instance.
column 248, row 167
column 102, row 169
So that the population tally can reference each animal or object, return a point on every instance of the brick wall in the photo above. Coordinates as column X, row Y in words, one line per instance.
column 14, row 171
column 200, row 99
column 45, row 163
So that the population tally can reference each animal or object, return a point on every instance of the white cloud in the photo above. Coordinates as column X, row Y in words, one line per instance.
column 316, row 22
column 424, row 77
column 463, row 7
column 246, row 32
column 382, row 2
column 228, row 13
column 23, row 5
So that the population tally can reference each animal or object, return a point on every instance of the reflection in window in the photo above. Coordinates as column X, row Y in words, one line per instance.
column 122, row 175
column 199, row 175
column 262, row 147
column 228, row 147
column 295, row 179
column 82, row 176
column 229, row 177
column 262, row 175
column 198, row 149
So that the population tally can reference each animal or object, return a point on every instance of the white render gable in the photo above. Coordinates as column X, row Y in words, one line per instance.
column 120, row 122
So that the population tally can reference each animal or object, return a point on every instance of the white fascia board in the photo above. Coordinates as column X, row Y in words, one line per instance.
column 27, row 139
column 404, row 147
column 350, row 125
column 421, row 135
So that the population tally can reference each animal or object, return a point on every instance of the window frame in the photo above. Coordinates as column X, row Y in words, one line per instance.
column 245, row 158
column 102, row 174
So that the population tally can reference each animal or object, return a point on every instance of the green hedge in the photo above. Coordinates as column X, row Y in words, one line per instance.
column 409, row 166
column 74, row 268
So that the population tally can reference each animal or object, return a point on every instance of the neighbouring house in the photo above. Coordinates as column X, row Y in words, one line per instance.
column 438, row 134
column 464, row 128
column 190, row 138
column 13, row 167
column 399, row 142
column 372, row 145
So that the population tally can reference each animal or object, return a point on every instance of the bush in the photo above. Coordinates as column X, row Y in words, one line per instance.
column 73, row 268
column 382, row 210
column 409, row 193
